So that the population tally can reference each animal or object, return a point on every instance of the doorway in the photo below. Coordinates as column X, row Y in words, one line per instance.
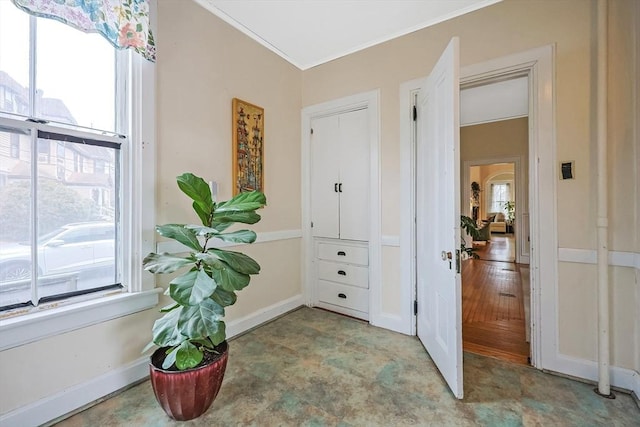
column 495, row 286
column 537, row 66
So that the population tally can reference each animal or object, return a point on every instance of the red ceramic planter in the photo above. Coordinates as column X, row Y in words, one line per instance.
column 185, row 395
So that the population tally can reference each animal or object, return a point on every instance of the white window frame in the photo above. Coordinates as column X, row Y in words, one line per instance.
column 27, row 325
column 490, row 198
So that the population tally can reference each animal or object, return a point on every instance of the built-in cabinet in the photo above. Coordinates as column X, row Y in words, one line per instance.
column 340, row 176
column 343, row 276
column 340, row 211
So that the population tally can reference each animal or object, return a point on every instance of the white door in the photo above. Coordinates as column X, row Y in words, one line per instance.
column 439, row 319
column 354, row 175
column 325, row 177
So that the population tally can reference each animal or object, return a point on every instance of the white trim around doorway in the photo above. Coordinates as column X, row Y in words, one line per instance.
column 537, row 64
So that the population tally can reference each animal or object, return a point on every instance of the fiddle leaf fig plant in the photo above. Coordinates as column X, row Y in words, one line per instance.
column 192, row 324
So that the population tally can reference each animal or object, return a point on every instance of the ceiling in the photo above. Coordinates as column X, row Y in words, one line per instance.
column 311, row 32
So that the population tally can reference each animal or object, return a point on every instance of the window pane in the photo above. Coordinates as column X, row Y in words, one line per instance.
column 14, row 59
column 75, row 76
column 15, row 227
column 76, row 219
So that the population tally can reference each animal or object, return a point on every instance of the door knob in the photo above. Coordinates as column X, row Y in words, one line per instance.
column 446, row 255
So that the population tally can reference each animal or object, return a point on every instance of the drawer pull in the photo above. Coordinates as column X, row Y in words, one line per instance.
column 342, row 272
column 341, row 295
column 342, row 253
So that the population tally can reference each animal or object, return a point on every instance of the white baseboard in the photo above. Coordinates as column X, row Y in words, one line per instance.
column 622, row 378
column 388, row 240
column 73, row 398
column 66, row 401
column 238, row 326
column 392, row 322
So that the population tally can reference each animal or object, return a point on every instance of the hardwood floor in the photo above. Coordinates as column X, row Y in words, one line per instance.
column 501, row 247
column 493, row 315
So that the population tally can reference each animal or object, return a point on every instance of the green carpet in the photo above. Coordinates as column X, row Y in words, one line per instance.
column 315, row 368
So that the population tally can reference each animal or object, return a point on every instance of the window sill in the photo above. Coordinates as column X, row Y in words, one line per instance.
column 43, row 323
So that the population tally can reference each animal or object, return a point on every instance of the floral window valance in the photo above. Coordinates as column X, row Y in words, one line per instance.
column 124, row 23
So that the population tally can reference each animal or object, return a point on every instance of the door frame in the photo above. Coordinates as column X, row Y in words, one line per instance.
column 520, row 178
column 369, row 100
column 538, row 65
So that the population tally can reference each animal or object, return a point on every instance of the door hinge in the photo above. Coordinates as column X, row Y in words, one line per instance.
column 311, row 224
column 415, row 113
column 415, row 307
column 311, row 131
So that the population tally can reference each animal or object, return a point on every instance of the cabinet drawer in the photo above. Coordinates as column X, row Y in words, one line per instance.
column 343, row 295
column 343, row 253
column 344, row 273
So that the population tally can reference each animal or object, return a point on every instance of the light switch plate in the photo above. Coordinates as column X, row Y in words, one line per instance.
column 567, row 169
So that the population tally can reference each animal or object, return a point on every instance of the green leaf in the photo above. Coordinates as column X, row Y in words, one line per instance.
column 229, row 279
column 240, row 236
column 165, row 329
column 220, row 226
column 204, row 343
column 202, row 213
column 180, row 233
column 223, row 297
column 243, row 217
column 165, row 262
column 209, row 259
column 248, row 201
column 470, row 226
column 188, row 356
column 169, row 307
column 202, row 320
column 202, row 230
column 224, row 276
column 237, row 261
column 192, row 287
column 198, row 190
column 169, row 359
column 220, row 335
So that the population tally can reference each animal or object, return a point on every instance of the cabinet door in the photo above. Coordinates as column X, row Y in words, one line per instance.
column 354, row 175
column 324, row 177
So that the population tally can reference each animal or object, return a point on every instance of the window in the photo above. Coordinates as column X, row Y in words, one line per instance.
column 59, row 242
column 43, row 151
column 500, row 194
column 53, row 245
column 14, row 149
column 98, row 166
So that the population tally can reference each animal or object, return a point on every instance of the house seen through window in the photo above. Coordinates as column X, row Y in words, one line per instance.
column 60, row 140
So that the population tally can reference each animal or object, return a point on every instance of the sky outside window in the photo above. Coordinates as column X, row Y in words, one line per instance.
column 75, row 74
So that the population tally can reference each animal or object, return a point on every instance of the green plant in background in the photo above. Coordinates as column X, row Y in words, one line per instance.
column 510, row 207
column 475, row 193
column 470, row 226
column 193, row 324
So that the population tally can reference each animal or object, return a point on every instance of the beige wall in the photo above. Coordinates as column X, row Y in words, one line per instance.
column 41, row 369
column 196, row 83
column 202, row 64
column 494, row 141
column 506, row 28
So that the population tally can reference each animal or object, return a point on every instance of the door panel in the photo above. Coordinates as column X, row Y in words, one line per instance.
column 438, row 218
column 354, row 175
column 325, row 177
